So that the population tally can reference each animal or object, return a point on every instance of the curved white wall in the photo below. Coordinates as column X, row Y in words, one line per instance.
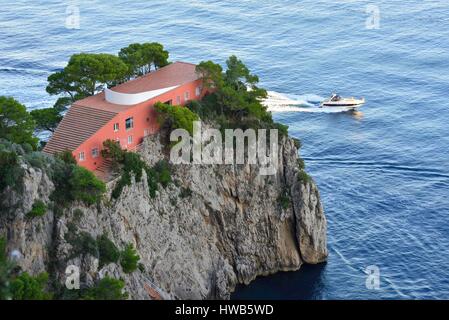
column 129, row 99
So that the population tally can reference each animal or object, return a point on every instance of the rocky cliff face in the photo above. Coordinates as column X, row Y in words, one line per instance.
column 214, row 227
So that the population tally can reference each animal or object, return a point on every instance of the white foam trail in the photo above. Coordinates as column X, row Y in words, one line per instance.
column 281, row 102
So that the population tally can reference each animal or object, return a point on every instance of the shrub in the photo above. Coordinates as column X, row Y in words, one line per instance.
column 129, row 259
column 301, row 164
column 10, row 170
column 284, row 199
column 38, row 210
column 176, row 117
column 107, row 250
column 82, row 243
column 303, row 177
column 297, row 143
column 26, row 287
column 78, row 214
column 106, row 289
column 37, row 159
column 66, row 156
column 162, row 169
column 111, row 150
column 85, row 186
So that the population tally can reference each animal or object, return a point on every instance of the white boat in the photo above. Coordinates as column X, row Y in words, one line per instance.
column 336, row 101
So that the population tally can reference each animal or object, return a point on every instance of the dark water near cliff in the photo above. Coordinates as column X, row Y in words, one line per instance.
column 383, row 173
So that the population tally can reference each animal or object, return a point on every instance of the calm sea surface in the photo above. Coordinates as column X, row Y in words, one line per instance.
column 383, row 172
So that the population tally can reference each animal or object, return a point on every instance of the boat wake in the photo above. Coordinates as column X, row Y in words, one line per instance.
column 282, row 102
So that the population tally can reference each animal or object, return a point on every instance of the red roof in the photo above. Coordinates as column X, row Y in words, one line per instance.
column 87, row 116
column 177, row 73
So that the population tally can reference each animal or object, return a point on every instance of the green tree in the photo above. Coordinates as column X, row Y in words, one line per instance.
column 107, row 249
column 129, row 259
column 46, row 119
column 175, row 117
column 211, row 73
column 16, row 124
column 85, row 75
column 26, row 287
column 11, row 172
column 141, row 57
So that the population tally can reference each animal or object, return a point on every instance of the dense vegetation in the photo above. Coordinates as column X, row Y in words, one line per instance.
column 174, row 117
column 131, row 164
column 234, row 98
column 16, row 124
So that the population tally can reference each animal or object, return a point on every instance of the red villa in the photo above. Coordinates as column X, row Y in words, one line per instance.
column 124, row 113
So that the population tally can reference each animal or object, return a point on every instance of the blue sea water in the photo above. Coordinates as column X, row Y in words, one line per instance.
column 383, row 172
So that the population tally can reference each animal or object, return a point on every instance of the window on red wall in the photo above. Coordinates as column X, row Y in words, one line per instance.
column 130, row 139
column 186, row 96
column 129, row 123
column 116, row 127
column 95, row 153
column 178, row 100
column 81, row 156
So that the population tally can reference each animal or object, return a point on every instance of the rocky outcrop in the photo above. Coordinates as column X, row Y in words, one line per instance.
column 213, row 227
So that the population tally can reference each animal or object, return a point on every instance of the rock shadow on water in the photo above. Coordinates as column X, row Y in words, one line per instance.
column 305, row 284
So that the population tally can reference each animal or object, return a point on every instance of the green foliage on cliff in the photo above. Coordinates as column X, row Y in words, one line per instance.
column 74, row 183
column 284, row 199
column 85, row 186
column 10, row 170
column 38, row 210
column 26, row 287
column 175, row 117
column 131, row 164
column 303, row 177
column 108, row 251
column 129, row 259
column 106, row 289
column 234, row 98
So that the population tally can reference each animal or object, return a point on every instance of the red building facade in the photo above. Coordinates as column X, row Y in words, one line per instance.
column 124, row 113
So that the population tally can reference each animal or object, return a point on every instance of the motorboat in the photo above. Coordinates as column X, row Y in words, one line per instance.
column 337, row 101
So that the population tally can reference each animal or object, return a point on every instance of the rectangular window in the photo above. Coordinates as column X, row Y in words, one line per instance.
column 197, row 91
column 178, row 100
column 95, row 153
column 146, row 132
column 81, row 156
column 129, row 123
column 130, row 139
column 186, row 96
column 116, row 127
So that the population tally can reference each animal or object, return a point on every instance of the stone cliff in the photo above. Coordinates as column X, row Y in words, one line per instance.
column 215, row 226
